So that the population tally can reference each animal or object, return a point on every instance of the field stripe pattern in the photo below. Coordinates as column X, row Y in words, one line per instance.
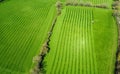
column 22, row 35
column 73, row 52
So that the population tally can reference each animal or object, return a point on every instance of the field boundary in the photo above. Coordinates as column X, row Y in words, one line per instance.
column 104, row 6
column 39, row 68
column 116, row 14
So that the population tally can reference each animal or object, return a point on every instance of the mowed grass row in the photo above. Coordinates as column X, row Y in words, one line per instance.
column 74, row 52
column 23, row 30
column 75, row 43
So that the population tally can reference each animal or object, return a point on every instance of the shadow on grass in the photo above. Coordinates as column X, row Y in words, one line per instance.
column 42, row 66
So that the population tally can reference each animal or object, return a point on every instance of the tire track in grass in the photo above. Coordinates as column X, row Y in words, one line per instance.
column 82, row 62
column 72, row 51
column 57, row 51
column 81, row 52
column 77, row 41
column 92, row 38
column 80, row 33
column 69, row 21
column 60, row 60
column 90, row 48
column 74, row 45
column 76, row 49
column 70, row 54
column 79, row 37
column 73, row 48
column 92, row 52
column 62, row 52
column 68, row 11
column 84, row 54
column 88, row 45
column 64, row 62
column 85, row 45
column 70, row 65
column 71, row 57
column 67, row 52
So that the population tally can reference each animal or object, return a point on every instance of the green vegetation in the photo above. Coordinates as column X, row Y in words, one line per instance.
column 24, row 26
column 84, row 41
column 91, row 1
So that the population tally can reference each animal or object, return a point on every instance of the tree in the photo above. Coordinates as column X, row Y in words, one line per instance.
column 1, row 0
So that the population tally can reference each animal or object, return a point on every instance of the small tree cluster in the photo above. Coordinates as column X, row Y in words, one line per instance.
column 88, row 4
column 38, row 60
column 76, row 3
column 115, row 5
column 1, row 0
column 59, row 7
column 101, row 6
column 115, row 13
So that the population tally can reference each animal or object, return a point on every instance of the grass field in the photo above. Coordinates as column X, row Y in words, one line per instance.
column 84, row 41
column 24, row 26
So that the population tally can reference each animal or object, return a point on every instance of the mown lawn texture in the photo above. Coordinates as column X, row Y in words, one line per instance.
column 24, row 26
column 84, row 41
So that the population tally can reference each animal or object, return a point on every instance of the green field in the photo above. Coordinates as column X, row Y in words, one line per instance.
column 84, row 41
column 24, row 26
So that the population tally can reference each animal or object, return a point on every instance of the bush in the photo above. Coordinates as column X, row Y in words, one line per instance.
column 115, row 3
column 115, row 13
column 1, row 0
column 101, row 6
column 88, row 4
column 81, row 4
column 68, row 3
column 58, row 4
column 75, row 3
